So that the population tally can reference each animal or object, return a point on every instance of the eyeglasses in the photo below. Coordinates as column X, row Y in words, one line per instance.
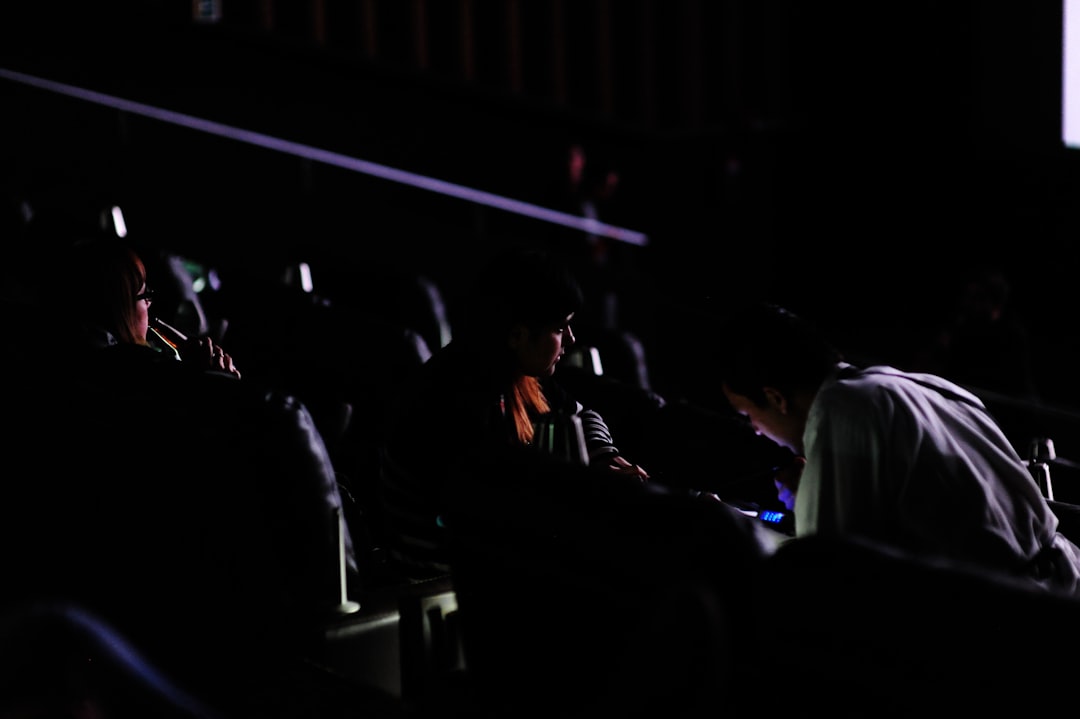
column 147, row 295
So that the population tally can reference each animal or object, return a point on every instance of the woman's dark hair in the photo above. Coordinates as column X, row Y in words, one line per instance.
column 519, row 286
column 761, row 344
column 101, row 278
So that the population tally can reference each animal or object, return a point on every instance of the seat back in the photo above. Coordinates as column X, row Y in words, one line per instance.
column 196, row 513
column 901, row 634
column 1068, row 515
column 409, row 530
column 584, row 597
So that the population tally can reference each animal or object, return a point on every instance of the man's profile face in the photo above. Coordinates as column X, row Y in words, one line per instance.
column 773, row 419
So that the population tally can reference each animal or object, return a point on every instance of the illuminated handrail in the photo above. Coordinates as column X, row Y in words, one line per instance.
column 585, row 224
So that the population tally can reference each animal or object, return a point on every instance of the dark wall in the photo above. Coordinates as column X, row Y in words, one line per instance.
column 846, row 158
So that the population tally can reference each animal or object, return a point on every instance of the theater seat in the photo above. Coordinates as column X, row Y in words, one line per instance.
column 196, row 513
column 1068, row 515
column 579, row 597
column 622, row 355
column 849, row 627
column 347, row 364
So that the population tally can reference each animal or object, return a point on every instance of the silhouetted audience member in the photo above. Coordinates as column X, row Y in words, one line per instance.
column 607, row 267
column 983, row 342
column 487, row 391
column 906, row 458
column 587, row 188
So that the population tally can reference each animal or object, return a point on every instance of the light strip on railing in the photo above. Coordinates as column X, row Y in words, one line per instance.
column 507, row 204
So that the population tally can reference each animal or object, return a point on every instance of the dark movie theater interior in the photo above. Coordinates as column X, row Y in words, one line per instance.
column 384, row 359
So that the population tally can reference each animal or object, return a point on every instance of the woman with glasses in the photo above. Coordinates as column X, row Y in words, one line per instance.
column 113, row 301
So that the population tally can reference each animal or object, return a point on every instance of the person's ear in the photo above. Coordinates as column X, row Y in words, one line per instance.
column 776, row 399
